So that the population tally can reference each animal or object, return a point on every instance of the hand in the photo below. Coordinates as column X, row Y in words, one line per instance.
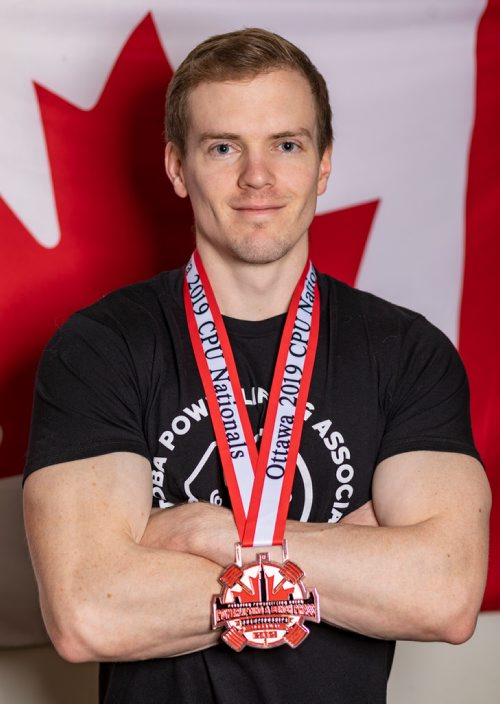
column 198, row 528
column 209, row 531
column 362, row 516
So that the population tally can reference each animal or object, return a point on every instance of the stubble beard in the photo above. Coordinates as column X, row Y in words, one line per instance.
column 254, row 249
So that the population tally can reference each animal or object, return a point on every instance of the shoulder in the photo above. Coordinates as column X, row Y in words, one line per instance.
column 127, row 334
column 399, row 342
column 129, row 314
column 126, row 306
column 420, row 379
column 385, row 323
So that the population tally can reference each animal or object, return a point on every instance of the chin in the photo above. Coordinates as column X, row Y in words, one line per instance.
column 260, row 252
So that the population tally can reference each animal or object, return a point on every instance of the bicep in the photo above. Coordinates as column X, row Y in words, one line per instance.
column 75, row 511
column 413, row 487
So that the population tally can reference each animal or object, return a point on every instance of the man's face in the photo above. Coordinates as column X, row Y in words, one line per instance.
column 251, row 167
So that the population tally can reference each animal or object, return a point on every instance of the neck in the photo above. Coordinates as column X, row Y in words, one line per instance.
column 253, row 291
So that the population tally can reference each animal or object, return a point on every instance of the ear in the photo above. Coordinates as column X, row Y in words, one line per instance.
column 325, row 169
column 173, row 167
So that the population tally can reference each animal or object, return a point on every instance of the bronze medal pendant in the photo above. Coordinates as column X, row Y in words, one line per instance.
column 265, row 603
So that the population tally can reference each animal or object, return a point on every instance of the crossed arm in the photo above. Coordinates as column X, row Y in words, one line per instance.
column 119, row 583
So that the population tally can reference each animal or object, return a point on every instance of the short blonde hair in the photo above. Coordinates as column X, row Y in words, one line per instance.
column 239, row 55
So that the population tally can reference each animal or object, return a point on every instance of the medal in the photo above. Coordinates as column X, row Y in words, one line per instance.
column 263, row 604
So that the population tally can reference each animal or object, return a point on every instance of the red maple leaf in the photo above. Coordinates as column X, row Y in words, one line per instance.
column 119, row 218
column 338, row 240
column 275, row 590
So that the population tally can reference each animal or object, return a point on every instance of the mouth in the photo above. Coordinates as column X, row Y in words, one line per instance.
column 255, row 210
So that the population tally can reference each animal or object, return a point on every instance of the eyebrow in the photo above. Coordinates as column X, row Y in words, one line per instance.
column 302, row 132
column 231, row 136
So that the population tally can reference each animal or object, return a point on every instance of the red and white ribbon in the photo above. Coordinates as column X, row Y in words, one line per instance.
column 259, row 483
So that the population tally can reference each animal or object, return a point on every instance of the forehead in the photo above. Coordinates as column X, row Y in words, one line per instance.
column 280, row 100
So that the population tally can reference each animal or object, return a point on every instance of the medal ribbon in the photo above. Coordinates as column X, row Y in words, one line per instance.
column 259, row 483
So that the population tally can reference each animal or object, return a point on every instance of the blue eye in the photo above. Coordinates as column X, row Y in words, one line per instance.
column 222, row 149
column 288, row 146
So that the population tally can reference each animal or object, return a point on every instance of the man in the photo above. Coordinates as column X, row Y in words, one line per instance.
column 389, row 507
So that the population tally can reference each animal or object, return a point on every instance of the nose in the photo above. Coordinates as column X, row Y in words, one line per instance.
column 256, row 170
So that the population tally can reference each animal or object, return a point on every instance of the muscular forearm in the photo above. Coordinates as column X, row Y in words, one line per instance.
column 386, row 582
column 142, row 603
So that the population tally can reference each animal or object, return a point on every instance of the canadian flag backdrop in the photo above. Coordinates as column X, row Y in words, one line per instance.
column 412, row 212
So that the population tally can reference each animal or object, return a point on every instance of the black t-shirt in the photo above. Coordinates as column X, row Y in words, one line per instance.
column 121, row 376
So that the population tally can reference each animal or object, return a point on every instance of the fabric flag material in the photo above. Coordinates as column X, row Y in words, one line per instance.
column 412, row 212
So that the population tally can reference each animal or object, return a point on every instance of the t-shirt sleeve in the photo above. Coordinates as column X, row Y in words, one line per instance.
column 87, row 400
column 427, row 407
